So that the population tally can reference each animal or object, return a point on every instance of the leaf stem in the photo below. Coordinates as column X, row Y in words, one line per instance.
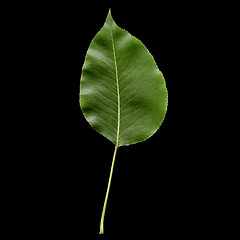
column 108, row 188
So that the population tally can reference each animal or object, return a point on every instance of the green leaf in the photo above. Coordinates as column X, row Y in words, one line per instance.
column 122, row 93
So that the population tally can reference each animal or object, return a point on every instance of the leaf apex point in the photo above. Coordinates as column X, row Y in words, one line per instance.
column 109, row 13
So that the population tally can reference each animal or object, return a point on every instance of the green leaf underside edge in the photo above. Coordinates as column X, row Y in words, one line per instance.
column 115, row 140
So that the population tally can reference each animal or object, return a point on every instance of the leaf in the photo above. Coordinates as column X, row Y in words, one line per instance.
column 122, row 94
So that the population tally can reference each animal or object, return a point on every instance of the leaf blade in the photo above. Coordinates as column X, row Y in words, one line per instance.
column 129, row 90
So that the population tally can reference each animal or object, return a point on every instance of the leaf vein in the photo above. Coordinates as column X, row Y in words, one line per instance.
column 130, row 113
column 117, row 83
column 105, row 96
column 128, row 75
column 131, row 125
column 103, row 104
column 107, row 123
column 106, row 88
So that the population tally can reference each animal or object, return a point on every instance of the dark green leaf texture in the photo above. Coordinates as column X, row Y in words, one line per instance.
column 122, row 92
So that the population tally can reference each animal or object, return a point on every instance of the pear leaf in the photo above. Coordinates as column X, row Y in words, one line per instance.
column 123, row 94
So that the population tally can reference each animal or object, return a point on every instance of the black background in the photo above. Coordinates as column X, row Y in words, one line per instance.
column 161, row 188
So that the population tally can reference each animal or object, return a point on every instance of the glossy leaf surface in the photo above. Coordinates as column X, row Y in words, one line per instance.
column 122, row 92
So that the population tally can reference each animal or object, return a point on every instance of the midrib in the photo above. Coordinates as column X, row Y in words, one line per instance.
column 118, row 93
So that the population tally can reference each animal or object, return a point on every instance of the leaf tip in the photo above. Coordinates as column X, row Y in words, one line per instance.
column 109, row 18
column 109, row 13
